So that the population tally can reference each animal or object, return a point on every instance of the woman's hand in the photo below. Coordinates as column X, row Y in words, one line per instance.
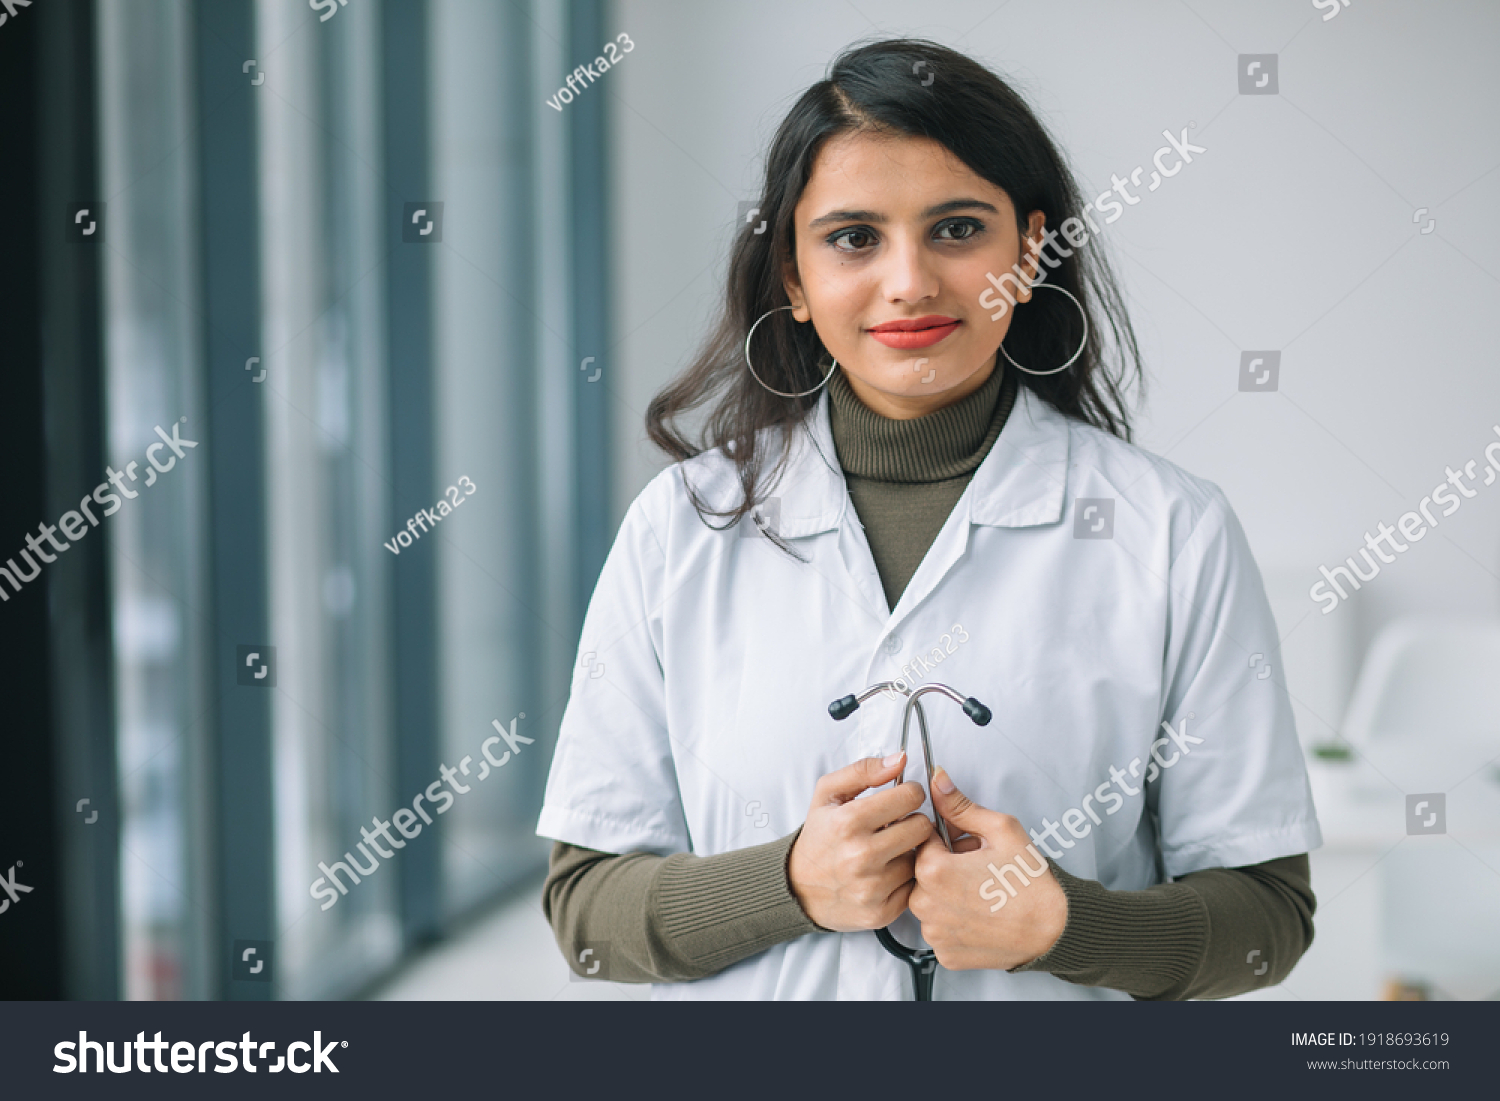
column 972, row 917
column 852, row 866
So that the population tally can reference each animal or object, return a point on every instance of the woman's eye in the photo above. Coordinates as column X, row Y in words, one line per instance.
column 959, row 230
column 852, row 240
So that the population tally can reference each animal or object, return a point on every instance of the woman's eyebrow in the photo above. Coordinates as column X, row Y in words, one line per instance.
column 959, row 204
column 873, row 216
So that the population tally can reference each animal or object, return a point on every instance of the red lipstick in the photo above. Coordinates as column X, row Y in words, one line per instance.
column 918, row 332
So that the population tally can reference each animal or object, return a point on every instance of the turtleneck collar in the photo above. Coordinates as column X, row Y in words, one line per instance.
column 946, row 444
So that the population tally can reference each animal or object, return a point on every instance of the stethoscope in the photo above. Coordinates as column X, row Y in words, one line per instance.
column 922, row 961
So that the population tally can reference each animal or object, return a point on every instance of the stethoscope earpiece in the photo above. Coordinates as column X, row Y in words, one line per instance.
column 842, row 709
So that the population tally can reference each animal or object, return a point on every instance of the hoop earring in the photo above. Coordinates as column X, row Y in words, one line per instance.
column 757, row 378
column 1075, row 355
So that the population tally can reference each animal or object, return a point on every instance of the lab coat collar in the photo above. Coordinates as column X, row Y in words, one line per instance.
column 1021, row 483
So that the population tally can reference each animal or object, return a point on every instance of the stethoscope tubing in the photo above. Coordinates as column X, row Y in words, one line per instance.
column 921, row 961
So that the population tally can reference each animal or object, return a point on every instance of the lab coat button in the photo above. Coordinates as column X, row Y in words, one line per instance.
column 893, row 645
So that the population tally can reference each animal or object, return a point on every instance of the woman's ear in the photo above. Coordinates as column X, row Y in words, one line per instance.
column 1031, row 251
column 793, row 287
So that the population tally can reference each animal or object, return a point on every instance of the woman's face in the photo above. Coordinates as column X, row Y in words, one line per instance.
column 896, row 229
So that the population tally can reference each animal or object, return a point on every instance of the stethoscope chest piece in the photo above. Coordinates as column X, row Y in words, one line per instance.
column 922, row 961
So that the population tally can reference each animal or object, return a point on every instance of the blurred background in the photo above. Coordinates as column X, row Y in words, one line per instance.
column 350, row 250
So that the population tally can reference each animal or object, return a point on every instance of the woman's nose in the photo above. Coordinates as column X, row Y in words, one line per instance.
column 908, row 274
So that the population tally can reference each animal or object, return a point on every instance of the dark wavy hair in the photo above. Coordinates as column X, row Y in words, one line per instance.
column 876, row 87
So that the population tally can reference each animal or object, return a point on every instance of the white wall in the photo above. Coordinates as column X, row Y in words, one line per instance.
column 1293, row 231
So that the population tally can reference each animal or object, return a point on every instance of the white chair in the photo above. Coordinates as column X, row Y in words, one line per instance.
column 1424, row 721
column 1436, row 677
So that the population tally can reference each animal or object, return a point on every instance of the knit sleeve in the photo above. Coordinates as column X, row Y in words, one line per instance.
column 670, row 918
column 1211, row 934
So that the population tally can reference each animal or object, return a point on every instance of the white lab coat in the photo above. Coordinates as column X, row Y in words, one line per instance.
column 698, row 718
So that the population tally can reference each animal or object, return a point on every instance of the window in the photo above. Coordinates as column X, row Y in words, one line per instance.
column 381, row 516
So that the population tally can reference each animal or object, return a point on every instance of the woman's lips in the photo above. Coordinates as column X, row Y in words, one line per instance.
column 914, row 338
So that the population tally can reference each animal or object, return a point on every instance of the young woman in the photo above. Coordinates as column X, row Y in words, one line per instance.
column 916, row 469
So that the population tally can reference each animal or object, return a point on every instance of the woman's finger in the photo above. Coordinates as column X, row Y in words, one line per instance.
column 898, row 901
column 844, row 784
column 882, row 808
column 902, row 836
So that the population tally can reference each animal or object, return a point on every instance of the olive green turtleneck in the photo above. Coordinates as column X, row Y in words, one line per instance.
column 905, row 476
column 685, row 917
